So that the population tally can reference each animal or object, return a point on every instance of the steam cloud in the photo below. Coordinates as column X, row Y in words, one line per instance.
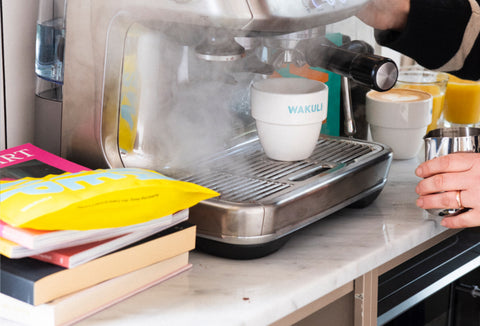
column 188, row 108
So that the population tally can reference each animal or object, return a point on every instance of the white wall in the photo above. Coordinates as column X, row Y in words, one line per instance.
column 17, row 97
column 2, row 96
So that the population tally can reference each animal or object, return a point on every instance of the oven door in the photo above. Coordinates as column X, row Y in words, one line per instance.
column 437, row 287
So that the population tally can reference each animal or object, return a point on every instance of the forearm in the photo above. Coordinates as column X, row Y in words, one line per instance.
column 434, row 36
column 385, row 14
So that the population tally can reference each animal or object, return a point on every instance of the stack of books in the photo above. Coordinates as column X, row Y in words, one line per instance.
column 60, row 277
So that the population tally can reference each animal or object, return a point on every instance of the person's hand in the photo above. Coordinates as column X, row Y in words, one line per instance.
column 385, row 14
column 446, row 177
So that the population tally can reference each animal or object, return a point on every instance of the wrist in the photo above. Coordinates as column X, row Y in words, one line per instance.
column 399, row 19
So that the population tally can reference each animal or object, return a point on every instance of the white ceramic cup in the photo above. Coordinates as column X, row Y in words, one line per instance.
column 289, row 113
column 399, row 118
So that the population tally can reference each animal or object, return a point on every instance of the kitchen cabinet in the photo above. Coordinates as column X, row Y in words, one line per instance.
column 355, row 303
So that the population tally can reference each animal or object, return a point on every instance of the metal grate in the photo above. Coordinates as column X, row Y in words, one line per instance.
column 245, row 174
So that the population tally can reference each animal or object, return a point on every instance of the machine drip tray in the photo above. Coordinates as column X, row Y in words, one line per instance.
column 263, row 201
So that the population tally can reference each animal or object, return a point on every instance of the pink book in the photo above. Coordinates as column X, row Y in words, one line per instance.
column 73, row 256
column 32, row 242
column 30, row 161
column 25, row 237
column 66, row 257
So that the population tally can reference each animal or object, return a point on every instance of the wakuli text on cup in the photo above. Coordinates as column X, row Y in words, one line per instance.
column 289, row 113
column 305, row 109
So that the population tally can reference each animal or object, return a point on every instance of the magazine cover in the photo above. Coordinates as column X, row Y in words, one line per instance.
column 30, row 161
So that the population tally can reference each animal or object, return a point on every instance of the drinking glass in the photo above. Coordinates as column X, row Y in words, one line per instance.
column 462, row 104
column 435, row 83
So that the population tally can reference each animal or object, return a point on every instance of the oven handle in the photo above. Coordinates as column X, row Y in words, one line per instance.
column 474, row 290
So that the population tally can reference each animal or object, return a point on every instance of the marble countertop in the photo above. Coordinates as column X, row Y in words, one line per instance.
column 316, row 261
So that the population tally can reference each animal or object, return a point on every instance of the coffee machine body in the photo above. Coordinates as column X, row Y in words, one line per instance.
column 164, row 85
column 97, row 33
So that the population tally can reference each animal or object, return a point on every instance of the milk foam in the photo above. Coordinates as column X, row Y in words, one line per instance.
column 394, row 97
column 399, row 95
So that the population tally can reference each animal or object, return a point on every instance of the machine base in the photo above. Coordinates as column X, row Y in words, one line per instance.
column 254, row 251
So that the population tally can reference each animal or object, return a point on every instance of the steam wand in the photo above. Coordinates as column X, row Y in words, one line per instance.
column 354, row 60
column 349, row 126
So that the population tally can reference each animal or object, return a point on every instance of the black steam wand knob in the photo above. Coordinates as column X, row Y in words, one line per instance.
column 354, row 61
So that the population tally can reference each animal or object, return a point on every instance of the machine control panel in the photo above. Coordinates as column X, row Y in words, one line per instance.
column 291, row 8
column 321, row 4
column 288, row 16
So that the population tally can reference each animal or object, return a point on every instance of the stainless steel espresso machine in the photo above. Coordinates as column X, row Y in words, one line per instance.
column 164, row 85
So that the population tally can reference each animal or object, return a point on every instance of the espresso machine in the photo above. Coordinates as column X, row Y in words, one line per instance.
column 164, row 85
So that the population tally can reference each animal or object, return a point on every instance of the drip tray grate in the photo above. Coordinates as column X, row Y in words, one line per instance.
column 264, row 201
column 245, row 174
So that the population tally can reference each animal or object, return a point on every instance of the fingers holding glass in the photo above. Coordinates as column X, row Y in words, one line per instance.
column 443, row 182
column 443, row 200
column 456, row 162
column 469, row 218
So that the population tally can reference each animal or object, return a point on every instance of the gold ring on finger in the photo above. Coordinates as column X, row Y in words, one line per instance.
column 458, row 197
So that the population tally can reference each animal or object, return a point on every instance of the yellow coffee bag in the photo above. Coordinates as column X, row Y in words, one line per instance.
column 95, row 199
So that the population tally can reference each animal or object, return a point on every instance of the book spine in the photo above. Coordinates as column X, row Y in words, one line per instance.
column 54, row 258
column 17, row 236
column 24, row 313
column 16, row 287
column 72, row 309
column 6, row 248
